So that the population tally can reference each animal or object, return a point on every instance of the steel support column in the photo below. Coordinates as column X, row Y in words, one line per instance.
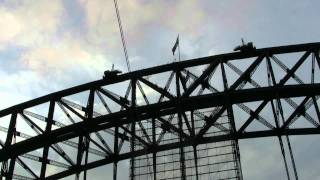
column 182, row 158
column 6, row 171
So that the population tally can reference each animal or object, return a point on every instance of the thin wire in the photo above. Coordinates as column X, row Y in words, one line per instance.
column 122, row 35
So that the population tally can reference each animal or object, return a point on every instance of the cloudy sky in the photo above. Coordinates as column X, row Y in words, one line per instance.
column 49, row 45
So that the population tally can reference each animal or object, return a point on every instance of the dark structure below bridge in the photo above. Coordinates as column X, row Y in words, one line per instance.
column 219, row 160
column 188, row 111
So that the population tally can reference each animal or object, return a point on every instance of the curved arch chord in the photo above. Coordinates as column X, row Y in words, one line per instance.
column 187, row 102
column 169, row 107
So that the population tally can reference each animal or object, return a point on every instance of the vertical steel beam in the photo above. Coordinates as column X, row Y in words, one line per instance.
column 86, row 149
column 154, row 154
column 115, row 170
column 46, row 148
column 301, row 60
column 116, row 152
column 89, row 115
column 5, row 171
column 230, row 114
column 292, row 158
column 83, row 142
column 182, row 159
column 133, row 124
column 195, row 152
column 276, row 110
column 79, row 155
column 316, row 57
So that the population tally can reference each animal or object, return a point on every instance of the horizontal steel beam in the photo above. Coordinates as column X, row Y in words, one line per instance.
column 156, row 110
column 185, row 143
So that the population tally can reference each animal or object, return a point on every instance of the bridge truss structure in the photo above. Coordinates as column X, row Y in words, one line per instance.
column 261, row 93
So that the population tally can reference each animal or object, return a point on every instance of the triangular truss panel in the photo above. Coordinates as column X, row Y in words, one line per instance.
column 173, row 121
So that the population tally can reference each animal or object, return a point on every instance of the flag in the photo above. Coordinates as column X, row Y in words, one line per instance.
column 175, row 45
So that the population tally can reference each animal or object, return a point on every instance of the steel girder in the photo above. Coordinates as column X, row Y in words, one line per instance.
column 192, row 92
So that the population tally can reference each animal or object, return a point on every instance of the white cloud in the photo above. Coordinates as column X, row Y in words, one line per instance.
column 30, row 23
column 14, row 87
column 137, row 16
column 59, row 57
column 10, row 26
column 53, row 57
column 184, row 21
column 49, row 48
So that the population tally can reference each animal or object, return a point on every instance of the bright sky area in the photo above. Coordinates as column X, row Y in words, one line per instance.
column 47, row 45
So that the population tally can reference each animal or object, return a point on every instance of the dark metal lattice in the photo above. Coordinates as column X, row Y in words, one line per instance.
column 103, row 122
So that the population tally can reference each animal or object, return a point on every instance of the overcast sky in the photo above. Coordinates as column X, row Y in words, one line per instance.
column 50, row 45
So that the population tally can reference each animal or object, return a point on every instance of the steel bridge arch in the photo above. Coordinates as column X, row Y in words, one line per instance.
column 183, row 100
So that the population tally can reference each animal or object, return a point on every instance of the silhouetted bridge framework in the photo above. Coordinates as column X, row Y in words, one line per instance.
column 261, row 84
